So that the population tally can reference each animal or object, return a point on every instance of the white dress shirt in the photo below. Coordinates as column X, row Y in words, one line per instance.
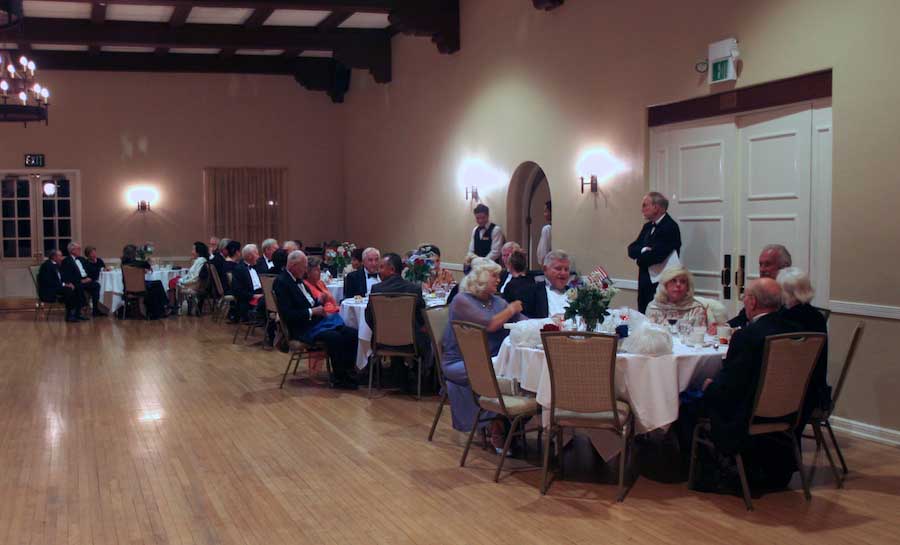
column 309, row 297
column 269, row 263
column 556, row 301
column 496, row 241
column 80, row 267
column 544, row 247
column 254, row 279
column 371, row 282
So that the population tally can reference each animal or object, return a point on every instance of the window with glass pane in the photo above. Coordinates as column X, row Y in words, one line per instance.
column 15, row 197
column 57, row 216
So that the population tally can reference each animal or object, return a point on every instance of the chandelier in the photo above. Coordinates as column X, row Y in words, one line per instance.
column 22, row 98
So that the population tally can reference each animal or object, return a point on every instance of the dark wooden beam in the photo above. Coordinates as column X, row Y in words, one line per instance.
column 436, row 18
column 292, row 53
column 98, row 13
column 139, row 34
column 368, row 6
column 180, row 16
column 547, row 5
column 258, row 17
column 334, row 20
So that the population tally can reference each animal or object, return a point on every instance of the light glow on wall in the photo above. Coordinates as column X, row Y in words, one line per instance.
column 599, row 162
column 477, row 172
column 141, row 193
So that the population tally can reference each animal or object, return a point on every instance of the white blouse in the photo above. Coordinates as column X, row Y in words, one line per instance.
column 192, row 277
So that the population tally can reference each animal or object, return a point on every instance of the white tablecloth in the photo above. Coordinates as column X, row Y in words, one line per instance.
column 650, row 384
column 336, row 287
column 112, row 286
column 354, row 314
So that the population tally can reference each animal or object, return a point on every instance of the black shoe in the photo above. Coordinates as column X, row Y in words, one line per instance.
column 345, row 384
column 83, row 318
column 72, row 319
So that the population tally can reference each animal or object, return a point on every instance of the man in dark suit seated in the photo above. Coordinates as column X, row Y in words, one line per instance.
column 549, row 297
column 303, row 317
column 728, row 399
column 772, row 259
column 74, row 272
column 52, row 289
column 520, row 286
column 245, row 283
column 360, row 281
column 265, row 264
column 659, row 237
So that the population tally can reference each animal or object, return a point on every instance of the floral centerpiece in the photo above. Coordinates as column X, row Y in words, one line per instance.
column 590, row 297
column 339, row 256
column 145, row 252
column 419, row 264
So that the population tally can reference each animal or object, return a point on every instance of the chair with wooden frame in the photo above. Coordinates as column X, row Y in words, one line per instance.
column 220, row 299
column 437, row 318
column 394, row 333
column 297, row 349
column 582, row 368
column 46, row 306
column 788, row 362
column 266, row 281
column 134, row 289
column 822, row 417
column 826, row 313
column 473, row 345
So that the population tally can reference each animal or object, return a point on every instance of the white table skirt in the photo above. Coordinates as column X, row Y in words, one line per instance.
column 354, row 314
column 112, row 286
column 650, row 384
column 336, row 287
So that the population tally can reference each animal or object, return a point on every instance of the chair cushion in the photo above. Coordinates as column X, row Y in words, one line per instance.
column 515, row 405
column 759, row 429
column 602, row 419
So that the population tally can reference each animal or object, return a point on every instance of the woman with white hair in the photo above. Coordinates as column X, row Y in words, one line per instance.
column 478, row 303
column 798, row 292
column 675, row 299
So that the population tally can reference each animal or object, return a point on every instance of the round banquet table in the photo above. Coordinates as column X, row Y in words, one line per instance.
column 336, row 287
column 650, row 384
column 354, row 314
column 112, row 286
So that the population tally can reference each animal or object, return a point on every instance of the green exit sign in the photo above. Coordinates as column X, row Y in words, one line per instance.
column 720, row 70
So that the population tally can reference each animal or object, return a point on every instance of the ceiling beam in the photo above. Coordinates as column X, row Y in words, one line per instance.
column 367, row 6
column 98, row 13
column 258, row 17
column 334, row 20
column 180, row 16
column 436, row 18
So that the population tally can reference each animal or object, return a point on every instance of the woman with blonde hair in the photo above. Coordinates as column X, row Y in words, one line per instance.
column 478, row 303
column 675, row 299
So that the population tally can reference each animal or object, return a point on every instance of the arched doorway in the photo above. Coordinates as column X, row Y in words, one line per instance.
column 528, row 191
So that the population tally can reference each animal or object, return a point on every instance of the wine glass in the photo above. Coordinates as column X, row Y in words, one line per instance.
column 672, row 318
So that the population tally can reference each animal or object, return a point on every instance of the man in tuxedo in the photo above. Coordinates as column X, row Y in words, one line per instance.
column 549, row 297
column 657, row 240
column 772, row 259
column 264, row 264
column 52, row 288
column 487, row 237
column 728, row 399
column 360, row 281
column 73, row 272
column 245, row 282
column 301, row 314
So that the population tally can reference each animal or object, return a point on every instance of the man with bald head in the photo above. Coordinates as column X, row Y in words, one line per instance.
column 772, row 259
column 728, row 399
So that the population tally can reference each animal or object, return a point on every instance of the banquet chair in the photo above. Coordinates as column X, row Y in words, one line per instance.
column 436, row 318
column 46, row 307
column 788, row 362
column 298, row 350
column 822, row 417
column 826, row 313
column 582, row 368
column 134, row 290
column 266, row 280
column 473, row 345
column 221, row 301
column 394, row 333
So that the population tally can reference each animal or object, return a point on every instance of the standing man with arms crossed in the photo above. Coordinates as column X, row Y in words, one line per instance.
column 487, row 237
column 658, row 239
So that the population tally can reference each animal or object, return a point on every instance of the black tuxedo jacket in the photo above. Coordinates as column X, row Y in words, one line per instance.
column 729, row 399
column 396, row 284
column 665, row 239
column 355, row 283
column 261, row 266
column 242, row 283
column 70, row 272
column 93, row 269
column 522, row 289
column 50, row 282
column 538, row 305
column 293, row 307
column 818, row 394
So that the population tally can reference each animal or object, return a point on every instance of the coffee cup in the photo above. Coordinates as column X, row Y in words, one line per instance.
column 724, row 334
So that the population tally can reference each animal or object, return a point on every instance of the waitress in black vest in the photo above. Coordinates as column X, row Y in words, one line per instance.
column 487, row 237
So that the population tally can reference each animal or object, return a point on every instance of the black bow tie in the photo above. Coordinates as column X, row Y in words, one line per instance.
column 371, row 275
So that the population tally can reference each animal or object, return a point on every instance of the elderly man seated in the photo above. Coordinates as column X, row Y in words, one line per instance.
column 264, row 264
column 772, row 259
column 74, row 272
column 728, row 399
column 307, row 321
column 360, row 282
column 675, row 299
column 52, row 288
column 549, row 297
column 245, row 283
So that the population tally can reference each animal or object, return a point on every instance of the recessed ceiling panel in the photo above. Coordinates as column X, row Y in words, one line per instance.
column 196, row 50
column 126, row 49
column 58, row 47
column 59, row 10
column 294, row 17
column 323, row 54
column 126, row 12
column 219, row 16
column 367, row 20
column 262, row 52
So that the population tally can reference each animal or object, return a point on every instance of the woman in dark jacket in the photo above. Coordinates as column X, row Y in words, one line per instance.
column 520, row 286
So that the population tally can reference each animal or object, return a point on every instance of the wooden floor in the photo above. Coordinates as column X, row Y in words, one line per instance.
column 164, row 432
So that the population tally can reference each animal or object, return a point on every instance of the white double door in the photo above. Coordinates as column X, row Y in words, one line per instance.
column 739, row 183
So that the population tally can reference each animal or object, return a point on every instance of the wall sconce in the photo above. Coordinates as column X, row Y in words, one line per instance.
column 143, row 206
column 142, row 197
column 592, row 183
column 472, row 194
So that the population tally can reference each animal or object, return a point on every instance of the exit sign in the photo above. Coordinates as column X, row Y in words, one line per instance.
column 722, row 57
column 35, row 160
column 720, row 70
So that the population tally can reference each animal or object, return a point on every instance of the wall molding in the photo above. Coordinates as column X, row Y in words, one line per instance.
column 861, row 430
column 625, row 284
column 865, row 309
